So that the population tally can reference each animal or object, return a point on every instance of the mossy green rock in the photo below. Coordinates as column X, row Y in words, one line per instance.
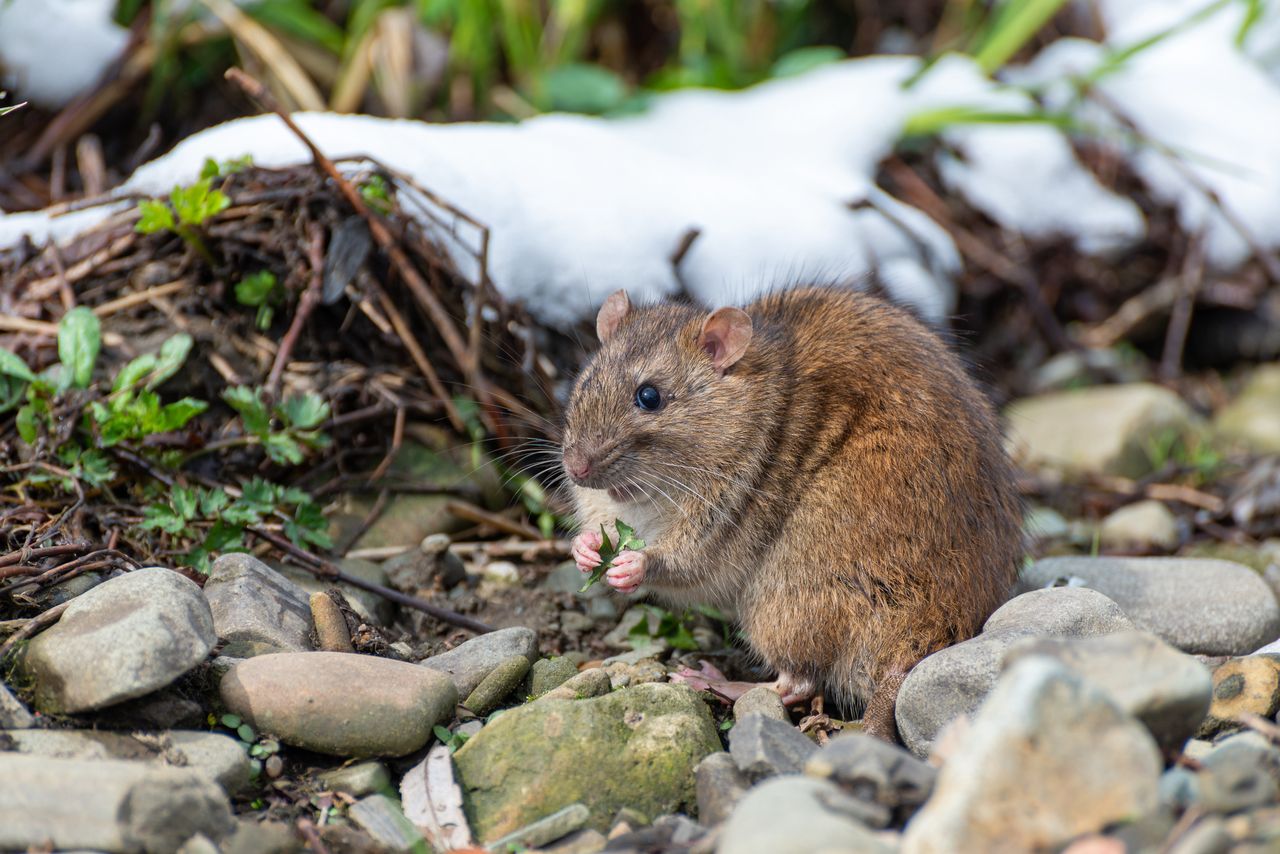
column 635, row 748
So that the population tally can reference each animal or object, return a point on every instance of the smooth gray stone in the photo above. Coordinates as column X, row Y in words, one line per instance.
column 470, row 662
column 555, row 826
column 254, row 603
column 763, row 747
column 382, row 818
column 874, row 771
column 13, row 715
column 719, row 786
column 798, row 815
column 363, row 778
column 127, row 637
column 1200, row 605
column 106, row 805
column 762, row 700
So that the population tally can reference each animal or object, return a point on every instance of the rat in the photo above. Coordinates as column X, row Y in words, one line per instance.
column 818, row 463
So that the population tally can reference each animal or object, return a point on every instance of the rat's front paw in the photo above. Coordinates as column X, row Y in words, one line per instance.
column 586, row 550
column 627, row 572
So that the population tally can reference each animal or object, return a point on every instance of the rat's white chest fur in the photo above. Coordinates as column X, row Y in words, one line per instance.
column 596, row 507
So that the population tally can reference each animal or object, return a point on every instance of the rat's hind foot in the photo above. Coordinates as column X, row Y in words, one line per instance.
column 586, row 550
column 793, row 689
column 879, row 719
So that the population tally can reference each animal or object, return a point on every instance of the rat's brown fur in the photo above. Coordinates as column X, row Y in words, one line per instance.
column 843, row 487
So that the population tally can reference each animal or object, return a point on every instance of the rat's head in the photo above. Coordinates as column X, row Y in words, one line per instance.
column 654, row 398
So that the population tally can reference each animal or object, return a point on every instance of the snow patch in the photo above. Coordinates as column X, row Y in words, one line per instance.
column 53, row 51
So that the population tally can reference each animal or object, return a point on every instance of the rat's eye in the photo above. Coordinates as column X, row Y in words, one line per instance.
column 648, row 398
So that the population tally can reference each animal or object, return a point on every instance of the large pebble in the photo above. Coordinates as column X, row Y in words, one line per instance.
column 369, row 605
column 1253, row 418
column 217, row 757
column 763, row 746
column 13, row 715
column 1048, row 758
column 1240, row 772
column 495, row 687
column 761, row 700
column 592, row 682
column 1105, row 429
column 719, row 785
column 338, row 703
column 1144, row 523
column 1209, row 607
column 468, row 663
column 106, row 805
column 636, row 747
column 955, row 680
column 550, row 673
column 798, row 815
column 1249, row 685
column 875, row 771
column 124, row 638
column 1163, row 688
column 252, row 602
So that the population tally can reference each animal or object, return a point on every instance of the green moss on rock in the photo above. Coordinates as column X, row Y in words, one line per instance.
column 636, row 748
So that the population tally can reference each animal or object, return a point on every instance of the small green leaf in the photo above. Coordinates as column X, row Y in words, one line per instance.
column 79, row 340
column 231, row 721
column 184, row 501
column 256, row 289
column 212, row 501
column 579, row 87
column 175, row 416
column 161, row 517
column 11, row 365
column 131, row 374
column 173, row 355
column 253, row 412
column 26, row 423
column 442, row 733
column 154, row 216
column 246, row 733
column 305, row 410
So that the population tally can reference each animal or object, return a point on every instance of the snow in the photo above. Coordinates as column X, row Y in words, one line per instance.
column 778, row 180
column 52, row 51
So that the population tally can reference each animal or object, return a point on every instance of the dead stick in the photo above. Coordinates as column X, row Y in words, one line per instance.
column 322, row 568
column 472, row 513
column 35, row 624
column 310, row 299
column 418, row 355
column 49, row 551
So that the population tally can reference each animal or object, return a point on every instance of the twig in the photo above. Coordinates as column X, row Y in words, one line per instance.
column 418, row 355
column 375, row 511
column 308, row 830
column 322, row 568
column 472, row 513
column 306, row 304
column 35, row 624
column 20, row 556
column 1175, row 337
column 397, row 438
column 130, row 300
column 1131, row 312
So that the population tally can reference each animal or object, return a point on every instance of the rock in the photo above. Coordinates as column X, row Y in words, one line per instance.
column 363, row 778
column 798, row 815
column 583, row 842
column 1045, row 523
column 1207, row 836
column 406, row 520
column 549, row 673
column 761, row 700
column 501, row 573
column 1241, row 772
column 65, row 591
column 382, row 818
column 623, row 673
column 764, row 746
column 369, row 605
column 1209, row 607
column 719, row 785
column 555, row 826
column 124, row 638
column 430, row 565
column 470, row 662
column 1166, row 690
column 1104, row 429
column 874, row 771
column 636, row 747
column 1252, row 420
column 167, row 709
column 261, row 837
column 1048, row 758
column 495, row 687
column 252, row 602
column 331, row 625
column 1143, row 523
column 593, row 682
column 953, row 681
column 106, row 805
column 217, row 757
column 340, row 704
column 1249, row 685
column 13, row 715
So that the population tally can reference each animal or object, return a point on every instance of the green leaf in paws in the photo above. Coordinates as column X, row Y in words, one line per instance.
column 609, row 551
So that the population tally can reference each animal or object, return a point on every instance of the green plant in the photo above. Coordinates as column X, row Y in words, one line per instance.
column 285, row 430
column 261, row 290
column 659, row 623
column 609, row 550
column 259, row 748
column 377, row 194
column 451, row 740
column 187, row 209
column 4, row 111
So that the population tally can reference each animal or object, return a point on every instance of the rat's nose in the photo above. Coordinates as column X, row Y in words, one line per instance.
column 577, row 464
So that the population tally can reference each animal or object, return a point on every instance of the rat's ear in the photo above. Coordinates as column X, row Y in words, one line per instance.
column 725, row 335
column 611, row 313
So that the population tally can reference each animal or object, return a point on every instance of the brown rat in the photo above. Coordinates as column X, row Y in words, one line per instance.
column 819, row 463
